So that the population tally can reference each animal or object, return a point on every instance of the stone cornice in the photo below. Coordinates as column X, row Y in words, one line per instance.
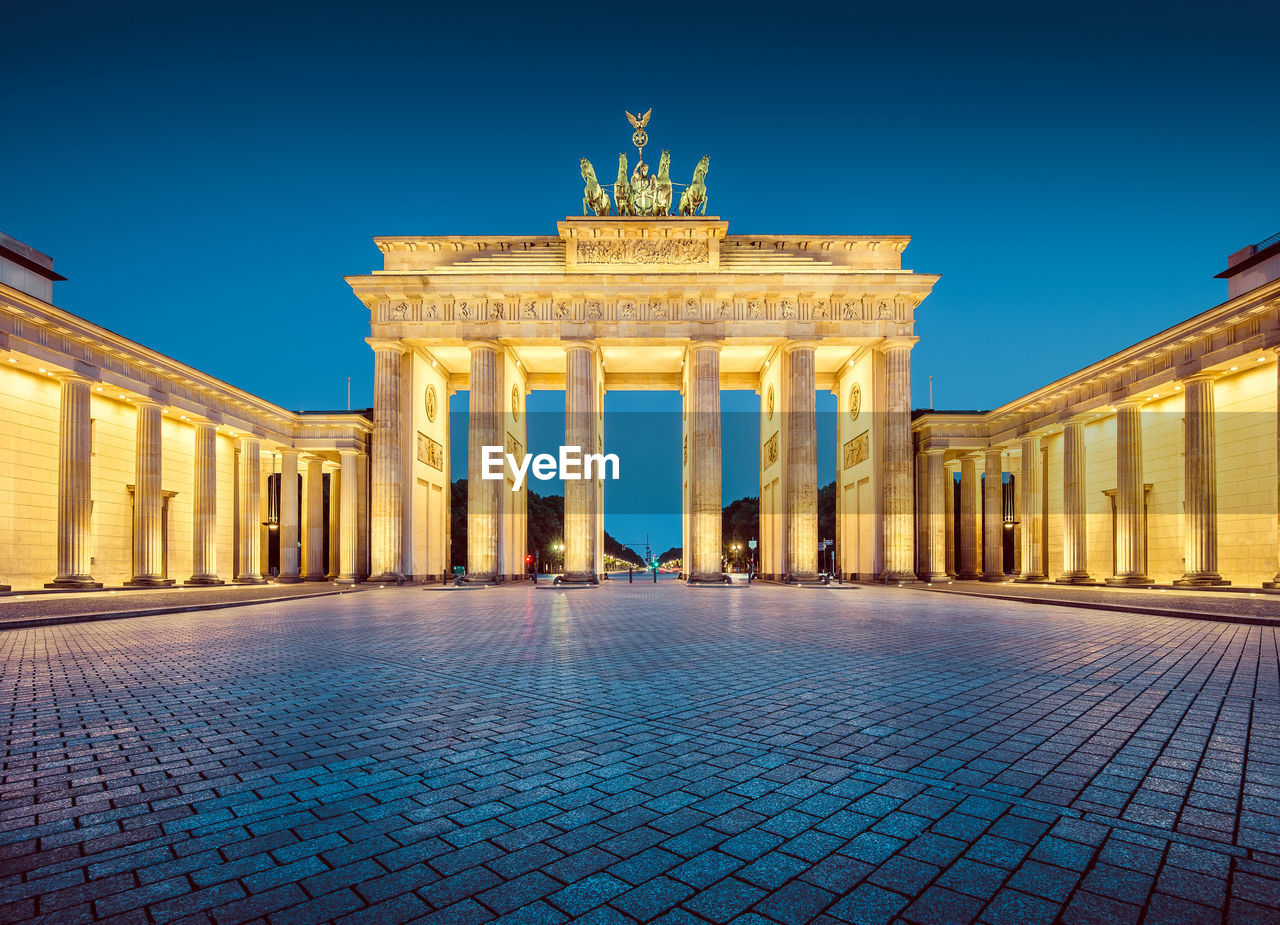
column 1207, row 342
column 66, row 343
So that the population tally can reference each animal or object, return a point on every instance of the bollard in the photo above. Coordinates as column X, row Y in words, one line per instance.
column 655, row 576
column 631, row 576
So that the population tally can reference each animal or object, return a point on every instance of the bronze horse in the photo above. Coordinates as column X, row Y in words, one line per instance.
column 593, row 195
column 695, row 195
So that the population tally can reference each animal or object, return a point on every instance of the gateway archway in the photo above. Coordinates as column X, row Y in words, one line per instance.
column 613, row 303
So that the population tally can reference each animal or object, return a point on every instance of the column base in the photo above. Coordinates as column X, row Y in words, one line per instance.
column 204, row 580
column 710, row 578
column 1077, row 579
column 968, row 576
column 346, row 580
column 147, row 582
column 1001, row 577
column 1030, row 578
column 1129, row 581
column 5, row 589
column 1200, row 581
column 73, row 584
column 1273, row 583
column 250, row 580
column 938, row 578
column 313, row 578
column 289, row 579
column 384, row 578
column 579, row 578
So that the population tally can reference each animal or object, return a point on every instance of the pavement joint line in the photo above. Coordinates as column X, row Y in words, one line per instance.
column 709, row 735
column 1204, row 615
column 20, row 623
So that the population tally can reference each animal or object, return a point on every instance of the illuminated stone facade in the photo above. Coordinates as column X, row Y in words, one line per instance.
column 119, row 465
column 647, row 303
column 1155, row 465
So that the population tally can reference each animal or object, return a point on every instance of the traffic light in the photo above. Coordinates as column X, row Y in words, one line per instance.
column 528, row 559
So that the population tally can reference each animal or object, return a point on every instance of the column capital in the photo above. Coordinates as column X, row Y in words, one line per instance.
column 935, row 451
column 346, row 453
column 494, row 345
column 1202, row 376
column 788, row 346
column 382, row 344
column 72, row 377
column 899, row 343
column 708, row 344
column 1129, row 403
column 144, row 402
column 289, row 450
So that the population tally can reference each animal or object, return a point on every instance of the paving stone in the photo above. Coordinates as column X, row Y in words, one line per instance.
column 825, row 757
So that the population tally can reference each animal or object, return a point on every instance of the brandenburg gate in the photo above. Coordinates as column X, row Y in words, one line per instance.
column 643, row 301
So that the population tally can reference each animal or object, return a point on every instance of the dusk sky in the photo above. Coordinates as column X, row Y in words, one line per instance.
column 205, row 176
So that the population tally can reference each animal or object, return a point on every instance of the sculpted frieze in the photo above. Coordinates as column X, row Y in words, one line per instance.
column 643, row 251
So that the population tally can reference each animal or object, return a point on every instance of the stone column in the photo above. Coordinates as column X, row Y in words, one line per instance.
column 250, row 506
column 290, row 571
column 1200, row 509
column 802, row 464
column 993, row 516
column 348, row 520
column 387, row 514
column 968, row 553
column 148, row 501
column 1075, row 523
column 314, row 545
column 75, row 506
column 704, row 464
column 204, row 515
column 580, row 431
column 335, row 524
column 938, row 483
column 362, row 517
column 1131, row 531
column 898, row 501
column 922, row 514
column 1032, row 529
column 484, row 499
column 949, row 506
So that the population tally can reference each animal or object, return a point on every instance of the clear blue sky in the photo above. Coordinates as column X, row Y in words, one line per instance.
column 1077, row 174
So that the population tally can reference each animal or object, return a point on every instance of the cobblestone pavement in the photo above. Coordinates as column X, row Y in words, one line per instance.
column 642, row 753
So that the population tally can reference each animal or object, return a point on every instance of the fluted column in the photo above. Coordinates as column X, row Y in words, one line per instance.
column 387, row 513
column 484, row 499
column 704, row 460
column 1032, row 526
column 1200, row 510
column 250, row 506
column 1275, row 354
column 74, row 486
column 1075, row 523
column 899, row 538
column 993, row 516
column 968, row 552
column 949, row 505
column 580, row 431
column 938, row 483
column 204, row 513
column 802, row 464
column 148, row 500
column 349, row 485
column 1131, row 532
column 335, row 524
column 362, row 517
column 290, row 570
column 313, row 547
